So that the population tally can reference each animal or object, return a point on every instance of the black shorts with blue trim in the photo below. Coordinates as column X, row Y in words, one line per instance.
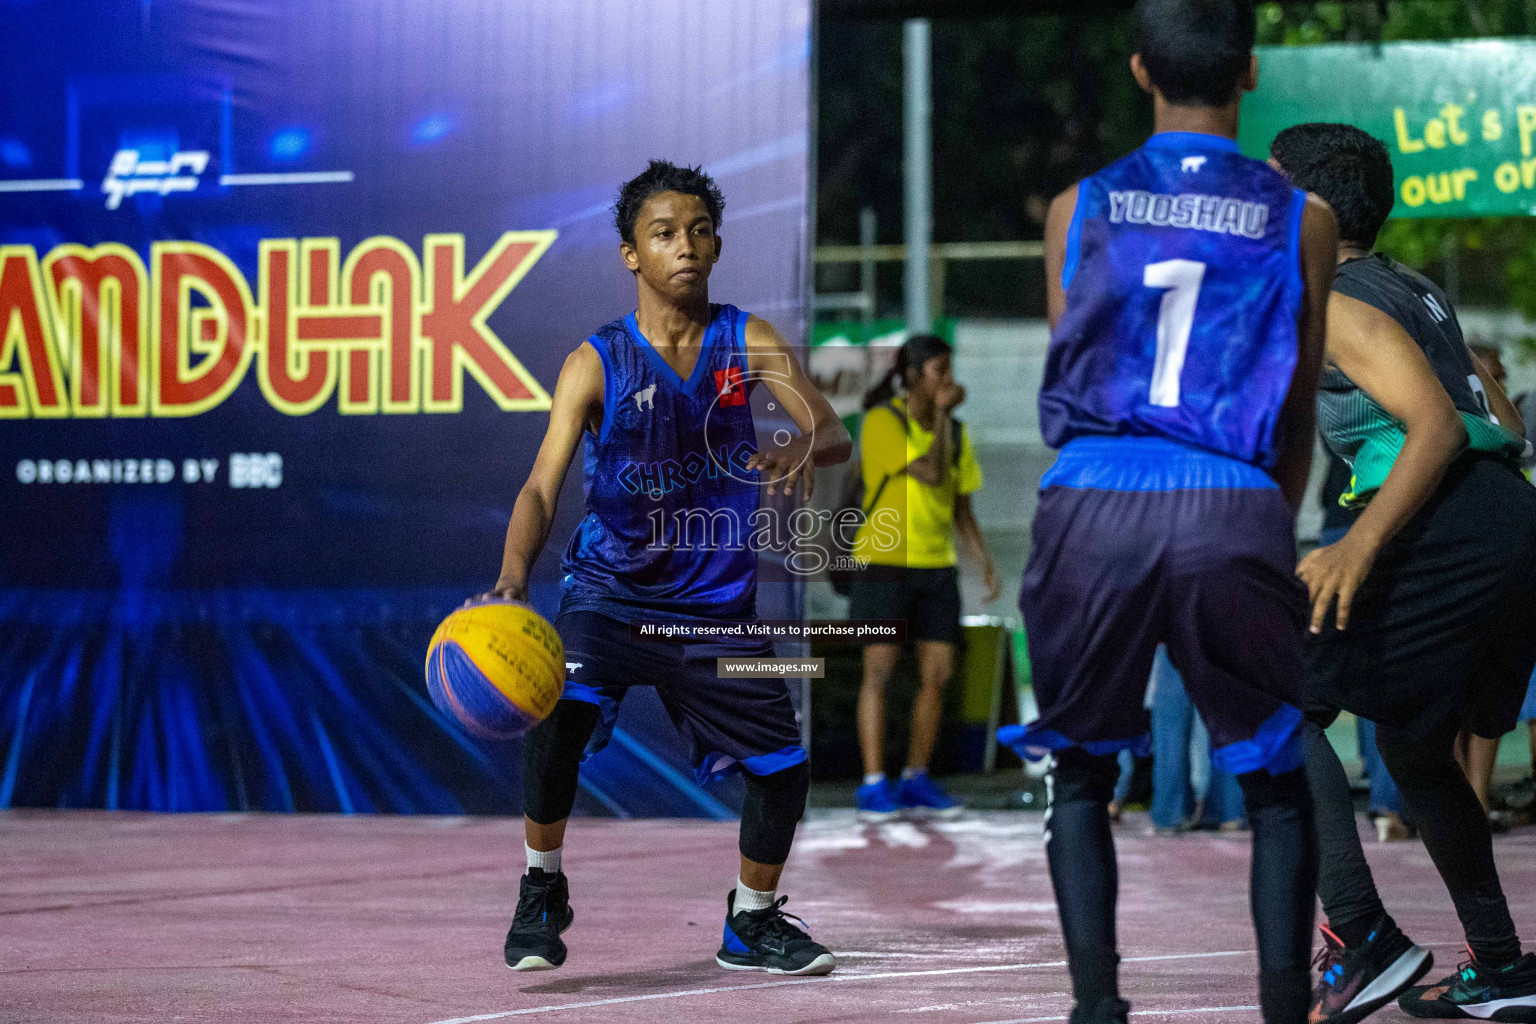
column 1142, row 541
column 730, row 724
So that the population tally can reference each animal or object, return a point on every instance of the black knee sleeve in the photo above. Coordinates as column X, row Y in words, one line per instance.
column 773, row 807
column 1288, row 791
column 551, row 757
column 1079, row 776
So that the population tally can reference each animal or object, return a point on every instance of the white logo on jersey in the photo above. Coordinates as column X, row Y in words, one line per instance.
column 1436, row 310
column 572, row 666
column 645, row 398
column 1192, row 163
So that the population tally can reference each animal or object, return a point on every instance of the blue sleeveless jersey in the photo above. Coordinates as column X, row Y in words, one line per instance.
column 669, row 500
column 1183, row 285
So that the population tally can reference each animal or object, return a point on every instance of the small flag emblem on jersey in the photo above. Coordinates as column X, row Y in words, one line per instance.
column 728, row 382
column 1192, row 163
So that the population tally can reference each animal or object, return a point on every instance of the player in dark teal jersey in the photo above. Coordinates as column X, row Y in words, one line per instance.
column 660, row 400
column 1424, row 613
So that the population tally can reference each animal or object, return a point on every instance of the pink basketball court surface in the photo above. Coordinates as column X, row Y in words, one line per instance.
column 246, row 918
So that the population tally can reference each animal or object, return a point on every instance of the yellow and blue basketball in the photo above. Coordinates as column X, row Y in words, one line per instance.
column 497, row 667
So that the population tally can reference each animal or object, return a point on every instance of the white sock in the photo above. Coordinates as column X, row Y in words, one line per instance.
column 912, row 773
column 549, row 860
column 751, row 899
column 870, row 778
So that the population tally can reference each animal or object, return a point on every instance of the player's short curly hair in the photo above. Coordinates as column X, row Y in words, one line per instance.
column 1348, row 168
column 1196, row 51
column 664, row 176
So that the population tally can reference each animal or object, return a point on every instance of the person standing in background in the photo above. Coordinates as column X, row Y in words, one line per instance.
column 1181, row 751
column 1478, row 755
column 1521, row 795
column 919, row 472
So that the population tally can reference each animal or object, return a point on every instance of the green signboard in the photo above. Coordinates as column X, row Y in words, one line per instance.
column 887, row 331
column 1458, row 118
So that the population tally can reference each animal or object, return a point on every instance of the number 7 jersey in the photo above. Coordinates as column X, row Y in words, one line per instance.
column 1183, row 286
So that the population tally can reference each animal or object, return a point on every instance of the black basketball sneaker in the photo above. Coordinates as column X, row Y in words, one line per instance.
column 543, row 912
column 1355, row 983
column 764, row 940
column 1505, row 993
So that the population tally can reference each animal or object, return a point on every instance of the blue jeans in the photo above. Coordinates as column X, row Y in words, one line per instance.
column 1127, row 762
column 1176, row 729
column 1384, row 794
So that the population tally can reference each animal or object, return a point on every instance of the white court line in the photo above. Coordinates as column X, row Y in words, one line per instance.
column 1134, row 1013
column 296, row 178
column 41, row 185
column 828, row 980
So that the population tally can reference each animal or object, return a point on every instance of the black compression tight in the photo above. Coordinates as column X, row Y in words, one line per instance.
column 1441, row 802
column 1081, row 852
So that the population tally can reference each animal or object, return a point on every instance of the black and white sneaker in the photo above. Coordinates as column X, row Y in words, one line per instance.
column 1505, row 993
column 764, row 940
column 543, row 912
column 1355, row 983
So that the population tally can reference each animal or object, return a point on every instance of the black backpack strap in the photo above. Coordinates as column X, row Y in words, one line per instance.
column 956, row 430
column 891, row 407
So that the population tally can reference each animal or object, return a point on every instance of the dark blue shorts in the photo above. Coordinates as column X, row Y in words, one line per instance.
column 1138, row 542
column 729, row 724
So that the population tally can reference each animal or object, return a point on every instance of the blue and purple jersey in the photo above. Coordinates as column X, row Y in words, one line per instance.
column 1183, row 286
column 669, row 500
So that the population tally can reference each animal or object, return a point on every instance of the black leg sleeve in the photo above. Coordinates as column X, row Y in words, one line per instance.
column 1456, row 834
column 772, row 808
column 1282, row 889
column 1344, row 881
column 1081, row 852
column 551, row 758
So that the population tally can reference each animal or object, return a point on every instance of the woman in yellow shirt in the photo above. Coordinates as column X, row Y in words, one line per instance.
column 919, row 473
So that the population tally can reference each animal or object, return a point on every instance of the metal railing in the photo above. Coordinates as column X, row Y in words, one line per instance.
column 939, row 256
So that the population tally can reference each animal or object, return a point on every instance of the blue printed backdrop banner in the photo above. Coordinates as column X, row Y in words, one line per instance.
column 285, row 289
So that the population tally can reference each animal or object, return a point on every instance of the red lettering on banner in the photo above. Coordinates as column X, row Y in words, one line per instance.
column 178, row 387
column 100, row 306
column 90, row 332
column 454, row 323
column 383, row 273
column 297, row 378
column 35, row 387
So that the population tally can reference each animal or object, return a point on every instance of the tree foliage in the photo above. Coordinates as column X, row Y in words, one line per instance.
column 1024, row 106
column 1483, row 261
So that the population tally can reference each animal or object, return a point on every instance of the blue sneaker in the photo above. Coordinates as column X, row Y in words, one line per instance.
column 926, row 799
column 877, row 801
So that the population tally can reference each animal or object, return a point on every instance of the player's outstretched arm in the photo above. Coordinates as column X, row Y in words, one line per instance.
column 1058, row 220
column 1375, row 352
column 1298, row 416
column 578, row 404
column 823, row 439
